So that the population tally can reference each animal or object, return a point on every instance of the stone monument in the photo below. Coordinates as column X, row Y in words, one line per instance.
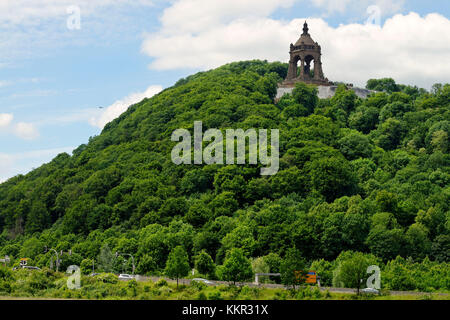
column 302, row 54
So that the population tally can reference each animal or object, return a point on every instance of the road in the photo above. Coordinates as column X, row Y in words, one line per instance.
column 277, row 286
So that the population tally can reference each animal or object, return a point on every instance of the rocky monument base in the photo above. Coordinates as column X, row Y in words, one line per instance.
column 317, row 82
column 325, row 92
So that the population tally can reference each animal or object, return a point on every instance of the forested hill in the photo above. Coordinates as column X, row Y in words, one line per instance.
column 364, row 175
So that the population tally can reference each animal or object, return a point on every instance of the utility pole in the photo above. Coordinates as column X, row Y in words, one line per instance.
column 58, row 260
column 126, row 254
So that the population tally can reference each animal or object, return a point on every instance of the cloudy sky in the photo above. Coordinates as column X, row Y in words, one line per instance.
column 68, row 67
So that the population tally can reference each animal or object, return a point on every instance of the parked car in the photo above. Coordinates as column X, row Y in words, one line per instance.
column 205, row 281
column 26, row 267
column 370, row 291
column 125, row 277
column 31, row 268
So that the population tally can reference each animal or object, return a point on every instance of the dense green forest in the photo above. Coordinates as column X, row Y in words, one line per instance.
column 356, row 176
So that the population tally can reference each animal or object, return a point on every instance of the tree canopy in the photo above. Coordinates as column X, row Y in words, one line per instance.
column 370, row 175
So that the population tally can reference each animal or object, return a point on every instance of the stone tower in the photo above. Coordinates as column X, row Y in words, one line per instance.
column 302, row 53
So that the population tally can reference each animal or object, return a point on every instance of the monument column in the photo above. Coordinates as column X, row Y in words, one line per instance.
column 318, row 73
column 292, row 71
column 302, row 68
column 292, row 65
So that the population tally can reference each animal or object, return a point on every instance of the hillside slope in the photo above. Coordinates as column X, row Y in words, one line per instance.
column 364, row 175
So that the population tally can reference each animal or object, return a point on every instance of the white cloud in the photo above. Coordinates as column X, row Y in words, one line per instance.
column 34, row 93
column 4, row 83
column 410, row 48
column 26, row 131
column 196, row 15
column 29, row 28
column 6, row 163
column 332, row 5
column 12, row 164
column 23, row 130
column 33, row 81
column 5, row 119
column 359, row 6
column 62, row 119
column 32, row 12
column 117, row 108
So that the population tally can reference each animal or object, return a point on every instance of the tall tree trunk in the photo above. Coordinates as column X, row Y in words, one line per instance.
column 357, row 288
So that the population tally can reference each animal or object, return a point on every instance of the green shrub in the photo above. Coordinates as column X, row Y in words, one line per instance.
column 215, row 295
column 201, row 296
column 161, row 283
column 198, row 285
column 5, row 287
column 108, row 278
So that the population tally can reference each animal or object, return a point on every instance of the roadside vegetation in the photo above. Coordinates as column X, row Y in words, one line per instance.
column 47, row 284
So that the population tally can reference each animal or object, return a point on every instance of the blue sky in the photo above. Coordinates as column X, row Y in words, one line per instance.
column 54, row 80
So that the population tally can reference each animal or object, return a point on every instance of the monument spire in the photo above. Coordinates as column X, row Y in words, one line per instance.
column 305, row 28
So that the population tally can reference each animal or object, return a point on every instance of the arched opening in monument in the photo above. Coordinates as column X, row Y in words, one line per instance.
column 309, row 67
